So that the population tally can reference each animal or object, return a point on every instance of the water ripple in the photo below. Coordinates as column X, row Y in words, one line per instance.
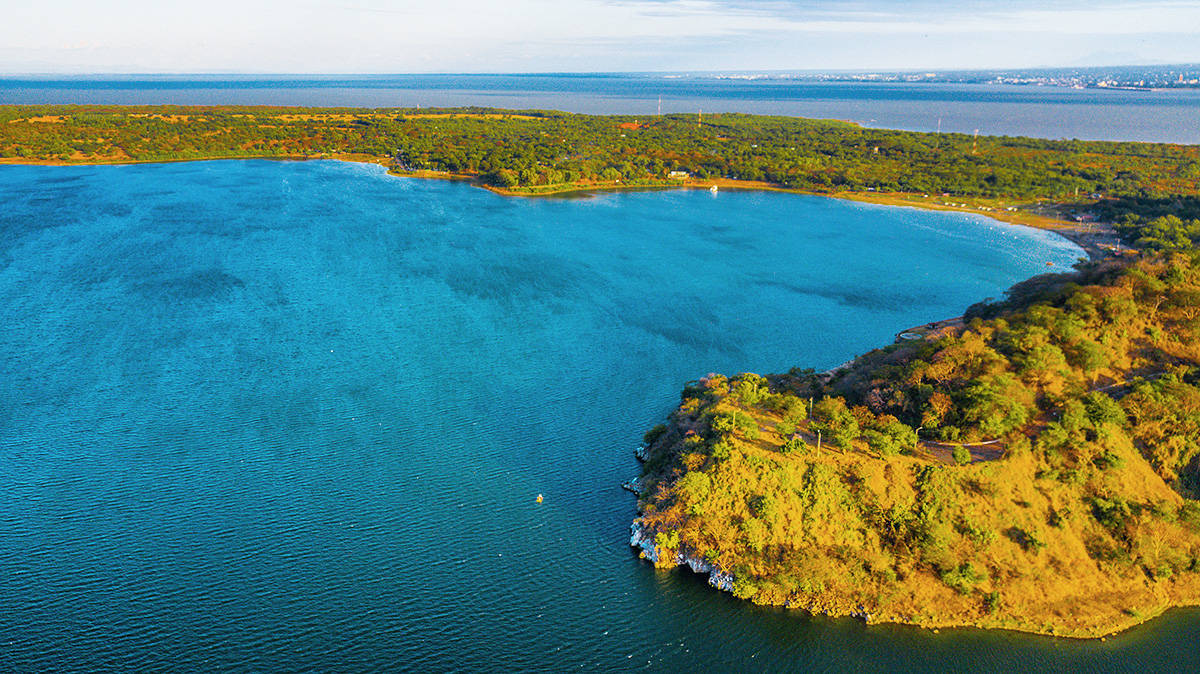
column 308, row 436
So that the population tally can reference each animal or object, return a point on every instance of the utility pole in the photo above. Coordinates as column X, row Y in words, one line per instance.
column 818, row 441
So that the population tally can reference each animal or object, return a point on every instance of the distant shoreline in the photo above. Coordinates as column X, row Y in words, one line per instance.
column 1039, row 110
column 1096, row 239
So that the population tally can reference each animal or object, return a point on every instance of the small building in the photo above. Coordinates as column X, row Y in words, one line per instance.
column 678, row 175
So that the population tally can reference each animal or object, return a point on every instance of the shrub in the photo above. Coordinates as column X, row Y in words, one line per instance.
column 976, row 530
column 992, row 602
column 997, row 405
column 1028, row 540
column 794, row 446
column 1108, row 459
column 666, row 540
column 744, row 588
column 750, row 432
column 1113, row 513
column 1189, row 513
column 749, row 388
column 961, row 455
column 836, row 421
column 793, row 408
column 765, row 507
column 881, row 443
column 654, row 434
column 736, row 421
column 755, row 532
column 694, row 487
column 1058, row 517
column 964, row 577
column 722, row 450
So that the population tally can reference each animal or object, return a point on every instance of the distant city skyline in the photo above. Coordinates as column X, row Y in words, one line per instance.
column 373, row 36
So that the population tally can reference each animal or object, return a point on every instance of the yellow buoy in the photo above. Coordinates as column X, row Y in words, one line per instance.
column 539, row 499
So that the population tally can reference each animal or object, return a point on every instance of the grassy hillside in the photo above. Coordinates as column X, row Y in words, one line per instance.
column 1051, row 488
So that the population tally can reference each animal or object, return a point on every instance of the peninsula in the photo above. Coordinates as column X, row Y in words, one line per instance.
column 1034, row 468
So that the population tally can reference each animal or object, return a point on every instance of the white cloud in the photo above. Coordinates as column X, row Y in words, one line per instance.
column 479, row 35
column 1095, row 19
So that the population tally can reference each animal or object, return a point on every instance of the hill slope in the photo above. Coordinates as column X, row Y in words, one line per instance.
column 1068, row 512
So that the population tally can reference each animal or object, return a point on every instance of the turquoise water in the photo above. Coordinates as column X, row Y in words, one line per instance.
column 294, row 416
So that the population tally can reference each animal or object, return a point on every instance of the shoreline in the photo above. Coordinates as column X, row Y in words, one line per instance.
column 819, row 606
column 643, row 544
column 1096, row 239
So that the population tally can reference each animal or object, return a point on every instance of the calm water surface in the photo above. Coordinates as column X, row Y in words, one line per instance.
column 294, row 416
column 1044, row 112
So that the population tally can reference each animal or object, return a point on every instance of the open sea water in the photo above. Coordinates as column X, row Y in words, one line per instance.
column 1169, row 116
column 294, row 416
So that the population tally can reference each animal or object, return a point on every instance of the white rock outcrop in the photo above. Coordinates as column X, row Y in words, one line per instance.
column 644, row 540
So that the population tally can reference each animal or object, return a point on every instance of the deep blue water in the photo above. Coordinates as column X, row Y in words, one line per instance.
column 1044, row 112
column 293, row 416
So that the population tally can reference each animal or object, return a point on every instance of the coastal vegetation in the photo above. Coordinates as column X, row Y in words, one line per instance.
column 534, row 152
column 1035, row 466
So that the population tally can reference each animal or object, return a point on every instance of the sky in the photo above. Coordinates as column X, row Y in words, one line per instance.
column 466, row 36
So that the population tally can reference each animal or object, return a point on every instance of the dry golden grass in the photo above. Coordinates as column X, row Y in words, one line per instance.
column 1032, row 536
column 469, row 115
column 43, row 119
column 174, row 119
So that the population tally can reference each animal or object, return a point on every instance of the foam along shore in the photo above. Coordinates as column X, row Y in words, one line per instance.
column 1096, row 238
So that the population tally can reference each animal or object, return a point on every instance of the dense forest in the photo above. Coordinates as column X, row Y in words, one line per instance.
column 539, row 149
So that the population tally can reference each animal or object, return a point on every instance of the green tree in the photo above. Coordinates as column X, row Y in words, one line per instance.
column 961, row 455
column 834, row 419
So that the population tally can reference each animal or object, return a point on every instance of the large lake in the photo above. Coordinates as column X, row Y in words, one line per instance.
column 1000, row 110
column 294, row 416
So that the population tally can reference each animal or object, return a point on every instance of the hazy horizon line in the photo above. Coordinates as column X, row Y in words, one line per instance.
column 273, row 73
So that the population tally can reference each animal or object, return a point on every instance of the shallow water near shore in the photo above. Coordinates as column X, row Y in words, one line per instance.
column 295, row 415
